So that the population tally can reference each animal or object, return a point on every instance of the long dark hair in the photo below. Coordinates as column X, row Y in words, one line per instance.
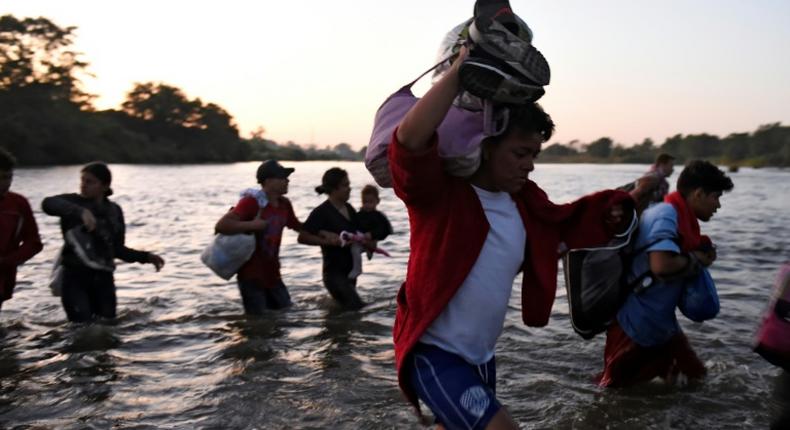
column 102, row 173
column 331, row 180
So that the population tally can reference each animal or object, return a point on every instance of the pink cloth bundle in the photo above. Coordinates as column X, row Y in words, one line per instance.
column 773, row 338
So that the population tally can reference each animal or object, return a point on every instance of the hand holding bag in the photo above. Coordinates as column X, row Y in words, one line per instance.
column 700, row 300
column 228, row 252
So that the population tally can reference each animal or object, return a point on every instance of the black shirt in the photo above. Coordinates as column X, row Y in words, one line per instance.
column 375, row 223
column 109, row 237
column 327, row 218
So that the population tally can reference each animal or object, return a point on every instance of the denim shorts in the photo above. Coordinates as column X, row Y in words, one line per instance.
column 460, row 395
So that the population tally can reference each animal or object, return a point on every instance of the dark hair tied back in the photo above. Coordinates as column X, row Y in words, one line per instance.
column 331, row 180
column 102, row 173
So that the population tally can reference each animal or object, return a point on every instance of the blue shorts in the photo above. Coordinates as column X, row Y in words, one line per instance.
column 460, row 395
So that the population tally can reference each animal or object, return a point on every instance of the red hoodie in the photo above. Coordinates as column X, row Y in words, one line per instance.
column 19, row 239
column 448, row 230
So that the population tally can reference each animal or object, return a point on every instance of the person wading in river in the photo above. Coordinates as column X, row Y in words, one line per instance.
column 469, row 240
column 19, row 239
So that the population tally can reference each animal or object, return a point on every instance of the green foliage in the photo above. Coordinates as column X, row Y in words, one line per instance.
column 46, row 118
column 769, row 145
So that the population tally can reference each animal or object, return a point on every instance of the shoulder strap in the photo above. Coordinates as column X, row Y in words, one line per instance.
column 411, row 84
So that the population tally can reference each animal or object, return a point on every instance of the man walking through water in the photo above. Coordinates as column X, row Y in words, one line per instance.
column 264, row 211
column 653, row 186
column 469, row 239
column 646, row 341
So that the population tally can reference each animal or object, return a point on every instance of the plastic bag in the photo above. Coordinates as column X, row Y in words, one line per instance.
column 227, row 253
column 700, row 300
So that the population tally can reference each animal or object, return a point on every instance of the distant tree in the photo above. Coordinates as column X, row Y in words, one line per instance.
column 601, row 148
column 258, row 133
column 36, row 58
column 161, row 103
column 558, row 150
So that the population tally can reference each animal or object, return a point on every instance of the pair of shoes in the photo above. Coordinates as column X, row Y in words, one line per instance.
column 503, row 65
column 486, row 79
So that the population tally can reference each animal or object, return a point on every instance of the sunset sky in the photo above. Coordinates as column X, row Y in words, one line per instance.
column 316, row 71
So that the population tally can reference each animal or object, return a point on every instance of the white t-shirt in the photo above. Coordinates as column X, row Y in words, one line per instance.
column 473, row 319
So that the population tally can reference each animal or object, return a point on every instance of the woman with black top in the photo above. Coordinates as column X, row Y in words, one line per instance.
column 94, row 233
column 327, row 221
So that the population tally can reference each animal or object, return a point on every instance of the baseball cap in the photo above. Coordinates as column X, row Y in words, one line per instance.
column 272, row 169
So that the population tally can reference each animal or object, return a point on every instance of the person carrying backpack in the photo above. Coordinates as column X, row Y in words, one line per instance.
column 470, row 237
column 646, row 340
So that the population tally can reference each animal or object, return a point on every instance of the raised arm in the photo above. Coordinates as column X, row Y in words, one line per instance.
column 62, row 206
column 422, row 120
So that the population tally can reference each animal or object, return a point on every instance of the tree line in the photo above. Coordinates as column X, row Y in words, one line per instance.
column 46, row 117
column 768, row 145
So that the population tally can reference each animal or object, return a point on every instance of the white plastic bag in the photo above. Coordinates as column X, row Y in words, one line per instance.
column 227, row 253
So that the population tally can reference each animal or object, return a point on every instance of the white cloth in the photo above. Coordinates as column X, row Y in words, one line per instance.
column 258, row 194
column 473, row 320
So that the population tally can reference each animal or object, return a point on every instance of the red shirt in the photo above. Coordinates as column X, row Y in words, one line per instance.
column 449, row 227
column 19, row 239
column 264, row 265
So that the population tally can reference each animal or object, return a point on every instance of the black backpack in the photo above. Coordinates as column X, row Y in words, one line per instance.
column 596, row 281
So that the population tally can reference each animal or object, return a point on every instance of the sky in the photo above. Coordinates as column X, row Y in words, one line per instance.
column 315, row 71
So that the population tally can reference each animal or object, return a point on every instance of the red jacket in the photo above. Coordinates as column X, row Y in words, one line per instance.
column 19, row 239
column 448, row 230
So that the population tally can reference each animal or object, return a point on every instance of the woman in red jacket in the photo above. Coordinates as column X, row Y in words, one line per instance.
column 469, row 239
column 19, row 239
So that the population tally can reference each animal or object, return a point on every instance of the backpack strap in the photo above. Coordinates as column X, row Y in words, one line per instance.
column 638, row 284
column 411, row 84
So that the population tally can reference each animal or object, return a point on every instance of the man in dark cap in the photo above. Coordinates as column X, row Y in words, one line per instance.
column 264, row 211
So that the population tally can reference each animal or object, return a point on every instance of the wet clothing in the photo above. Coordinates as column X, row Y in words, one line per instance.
column 448, row 231
column 19, row 239
column 327, row 218
column 90, row 293
column 647, row 341
column 257, row 300
column 375, row 223
column 627, row 363
column 338, row 262
column 649, row 317
column 87, row 294
column 264, row 265
column 461, row 395
column 781, row 398
column 460, row 329
column 343, row 289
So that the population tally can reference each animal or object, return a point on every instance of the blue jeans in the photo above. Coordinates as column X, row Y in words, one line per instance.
column 257, row 298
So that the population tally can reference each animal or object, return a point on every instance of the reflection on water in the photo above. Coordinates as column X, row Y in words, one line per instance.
column 182, row 355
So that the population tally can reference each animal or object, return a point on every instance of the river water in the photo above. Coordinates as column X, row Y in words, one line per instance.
column 182, row 355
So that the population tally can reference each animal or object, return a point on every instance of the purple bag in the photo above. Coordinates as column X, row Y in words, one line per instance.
column 460, row 134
